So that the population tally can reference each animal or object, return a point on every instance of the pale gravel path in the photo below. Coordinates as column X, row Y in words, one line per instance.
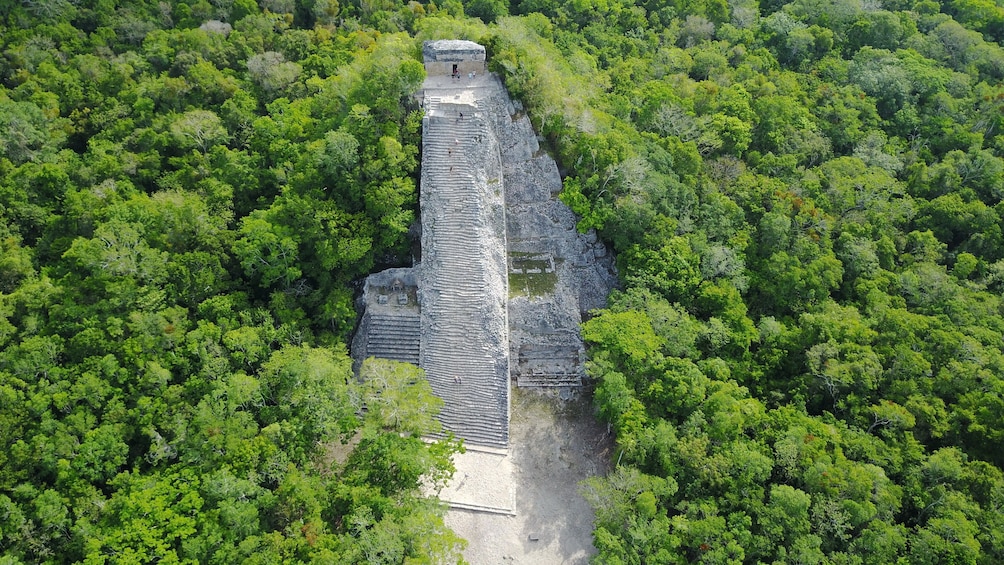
column 553, row 446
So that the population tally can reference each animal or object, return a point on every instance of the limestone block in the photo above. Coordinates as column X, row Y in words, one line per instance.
column 527, row 223
column 518, row 150
column 546, row 173
column 583, row 259
column 561, row 215
column 525, row 129
column 519, row 143
column 593, row 290
column 523, row 184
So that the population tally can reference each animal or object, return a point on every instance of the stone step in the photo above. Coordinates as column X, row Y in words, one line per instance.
column 392, row 326
column 472, row 282
column 468, row 291
column 375, row 348
column 463, row 398
column 450, row 364
column 394, row 337
column 454, row 354
column 467, row 387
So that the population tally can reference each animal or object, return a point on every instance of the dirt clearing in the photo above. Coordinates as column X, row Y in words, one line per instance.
column 524, row 506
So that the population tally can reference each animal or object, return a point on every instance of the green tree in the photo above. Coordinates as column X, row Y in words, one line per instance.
column 308, row 394
column 267, row 251
column 26, row 131
column 398, row 397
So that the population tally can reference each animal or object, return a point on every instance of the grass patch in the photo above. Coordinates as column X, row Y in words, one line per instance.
column 537, row 284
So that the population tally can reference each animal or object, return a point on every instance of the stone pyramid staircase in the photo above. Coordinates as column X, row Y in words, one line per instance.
column 464, row 333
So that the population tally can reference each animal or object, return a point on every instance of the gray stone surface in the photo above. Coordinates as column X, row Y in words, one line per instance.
column 389, row 328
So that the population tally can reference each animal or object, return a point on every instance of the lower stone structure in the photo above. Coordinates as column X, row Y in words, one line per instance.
column 504, row 276
column 391, row 328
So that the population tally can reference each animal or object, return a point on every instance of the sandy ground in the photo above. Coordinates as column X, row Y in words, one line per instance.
column 524, row 506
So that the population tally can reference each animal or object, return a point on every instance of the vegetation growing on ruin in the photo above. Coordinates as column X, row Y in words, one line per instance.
column 530, row 285
column 532, row 275
column 804, row 363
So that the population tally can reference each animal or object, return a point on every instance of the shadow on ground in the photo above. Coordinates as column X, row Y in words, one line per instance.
column 554, row 445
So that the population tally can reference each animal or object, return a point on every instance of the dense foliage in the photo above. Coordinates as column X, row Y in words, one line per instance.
column 187, row 193
column 805, row 361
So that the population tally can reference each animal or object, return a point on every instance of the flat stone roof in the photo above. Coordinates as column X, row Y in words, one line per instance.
column 447, row 50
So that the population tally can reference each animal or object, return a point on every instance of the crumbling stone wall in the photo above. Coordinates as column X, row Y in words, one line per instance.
column 548, row 298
